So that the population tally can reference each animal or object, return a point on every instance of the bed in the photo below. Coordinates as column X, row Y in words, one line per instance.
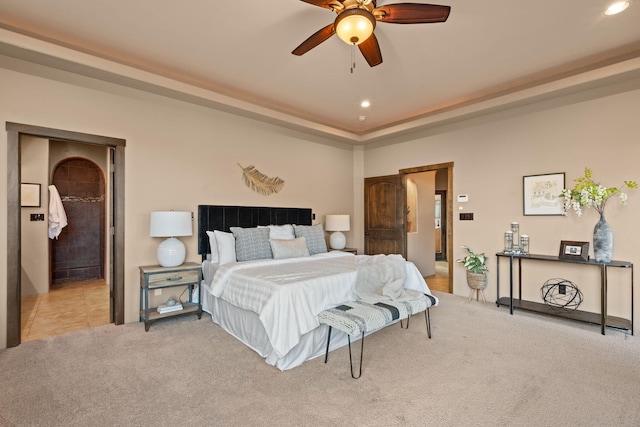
column 268, row 295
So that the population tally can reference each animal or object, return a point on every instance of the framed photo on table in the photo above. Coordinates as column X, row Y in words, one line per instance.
column 578, row 251
column 540, row 194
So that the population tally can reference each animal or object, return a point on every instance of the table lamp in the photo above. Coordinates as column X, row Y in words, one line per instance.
column 337, row 224
column 171, row 224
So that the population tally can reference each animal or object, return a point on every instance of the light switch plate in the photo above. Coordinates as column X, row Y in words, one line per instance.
column 157, row 292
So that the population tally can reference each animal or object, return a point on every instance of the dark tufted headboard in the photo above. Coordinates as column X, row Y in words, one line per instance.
column 216, row 217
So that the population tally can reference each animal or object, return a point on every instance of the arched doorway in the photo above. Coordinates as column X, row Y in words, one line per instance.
column 79, row 251
column 116, row 234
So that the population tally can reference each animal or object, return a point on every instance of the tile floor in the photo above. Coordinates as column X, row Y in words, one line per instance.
column 66, row 308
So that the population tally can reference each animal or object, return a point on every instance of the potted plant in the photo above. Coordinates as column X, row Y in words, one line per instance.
column 476, row 266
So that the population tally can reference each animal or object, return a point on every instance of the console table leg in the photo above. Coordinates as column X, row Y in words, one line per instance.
column 603, row 299
column 511, row 285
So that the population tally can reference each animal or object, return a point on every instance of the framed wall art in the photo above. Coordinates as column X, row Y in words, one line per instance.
column 578, row 251
column 540, row 194
column 29, row 195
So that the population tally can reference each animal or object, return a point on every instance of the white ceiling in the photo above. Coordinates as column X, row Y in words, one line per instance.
column 487, row 54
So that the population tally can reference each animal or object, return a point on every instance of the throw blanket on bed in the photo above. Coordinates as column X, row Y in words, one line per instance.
column 381, row 278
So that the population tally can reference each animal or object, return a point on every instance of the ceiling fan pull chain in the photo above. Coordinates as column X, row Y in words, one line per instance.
column 353, row 57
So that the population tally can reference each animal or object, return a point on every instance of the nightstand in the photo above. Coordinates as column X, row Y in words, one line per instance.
column 350, row 250
column 155, row 277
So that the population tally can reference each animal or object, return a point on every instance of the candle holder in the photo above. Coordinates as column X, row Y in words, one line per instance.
column 508, row 241
column 515, row 229
column 524, row 244
column 514, row 243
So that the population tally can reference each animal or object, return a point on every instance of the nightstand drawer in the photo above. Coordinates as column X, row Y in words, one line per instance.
column 173, row 278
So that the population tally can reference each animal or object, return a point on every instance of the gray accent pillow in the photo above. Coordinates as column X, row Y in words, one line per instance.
column 289, row 248
column 314, row 235
column 252, row 243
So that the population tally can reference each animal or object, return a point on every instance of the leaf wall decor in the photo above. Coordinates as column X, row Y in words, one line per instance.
column 259, row 182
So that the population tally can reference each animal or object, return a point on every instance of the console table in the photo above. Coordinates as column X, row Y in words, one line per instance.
column 602, row 319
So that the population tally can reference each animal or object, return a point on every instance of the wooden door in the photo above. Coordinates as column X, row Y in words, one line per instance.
column 385, row 215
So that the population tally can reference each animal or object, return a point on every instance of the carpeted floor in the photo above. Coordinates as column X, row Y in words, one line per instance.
column 483, row 367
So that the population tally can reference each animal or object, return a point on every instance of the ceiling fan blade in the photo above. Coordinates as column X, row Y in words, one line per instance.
column 411, row 13
column 313, row 41
column 371, row 51
column 327, row 4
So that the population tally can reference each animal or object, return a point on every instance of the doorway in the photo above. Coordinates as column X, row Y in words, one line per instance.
column 385, row 222
column 78, row 254
column 15, row 132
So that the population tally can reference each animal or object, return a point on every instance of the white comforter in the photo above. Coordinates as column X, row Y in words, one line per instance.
column 288, row 294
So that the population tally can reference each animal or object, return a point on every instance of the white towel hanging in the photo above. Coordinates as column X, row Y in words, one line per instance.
column 57, row 215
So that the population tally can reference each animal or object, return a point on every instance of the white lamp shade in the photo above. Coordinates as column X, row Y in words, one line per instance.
column 337, row 223
column 170, row 224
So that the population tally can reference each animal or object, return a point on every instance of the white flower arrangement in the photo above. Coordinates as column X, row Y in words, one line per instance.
column 588, row 193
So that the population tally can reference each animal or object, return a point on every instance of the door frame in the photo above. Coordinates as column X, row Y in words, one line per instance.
column 443, row 224
column 449, row 206
column 14, row 132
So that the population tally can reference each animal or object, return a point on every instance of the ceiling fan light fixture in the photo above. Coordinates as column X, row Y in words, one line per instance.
column 354, row 26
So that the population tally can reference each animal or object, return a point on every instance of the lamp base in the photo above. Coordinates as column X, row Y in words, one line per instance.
column 337, row 240
column 171, row 252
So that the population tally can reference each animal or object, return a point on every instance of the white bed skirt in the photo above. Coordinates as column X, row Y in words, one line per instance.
column 246, row 327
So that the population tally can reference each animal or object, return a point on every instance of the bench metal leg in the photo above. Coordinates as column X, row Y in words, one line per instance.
column 326, row 355
column 405, row 327
column 427, row 319
column 361, row 353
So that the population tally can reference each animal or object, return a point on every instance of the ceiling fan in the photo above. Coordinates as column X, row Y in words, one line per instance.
column 356, row 21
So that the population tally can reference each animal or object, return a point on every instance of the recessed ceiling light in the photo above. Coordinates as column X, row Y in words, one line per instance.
column 365, row 104
column 617, row 7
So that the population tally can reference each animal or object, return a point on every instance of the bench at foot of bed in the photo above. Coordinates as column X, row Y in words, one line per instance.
column 359, row 317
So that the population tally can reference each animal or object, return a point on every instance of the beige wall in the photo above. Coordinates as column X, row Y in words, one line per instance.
column 34, row 158
column 177, row 156
column 491, row 156
column 420, row 244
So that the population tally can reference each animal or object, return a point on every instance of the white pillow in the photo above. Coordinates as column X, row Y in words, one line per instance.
column 213, row 244
column 226, row 247
column 289, row 248
column 280, row 232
